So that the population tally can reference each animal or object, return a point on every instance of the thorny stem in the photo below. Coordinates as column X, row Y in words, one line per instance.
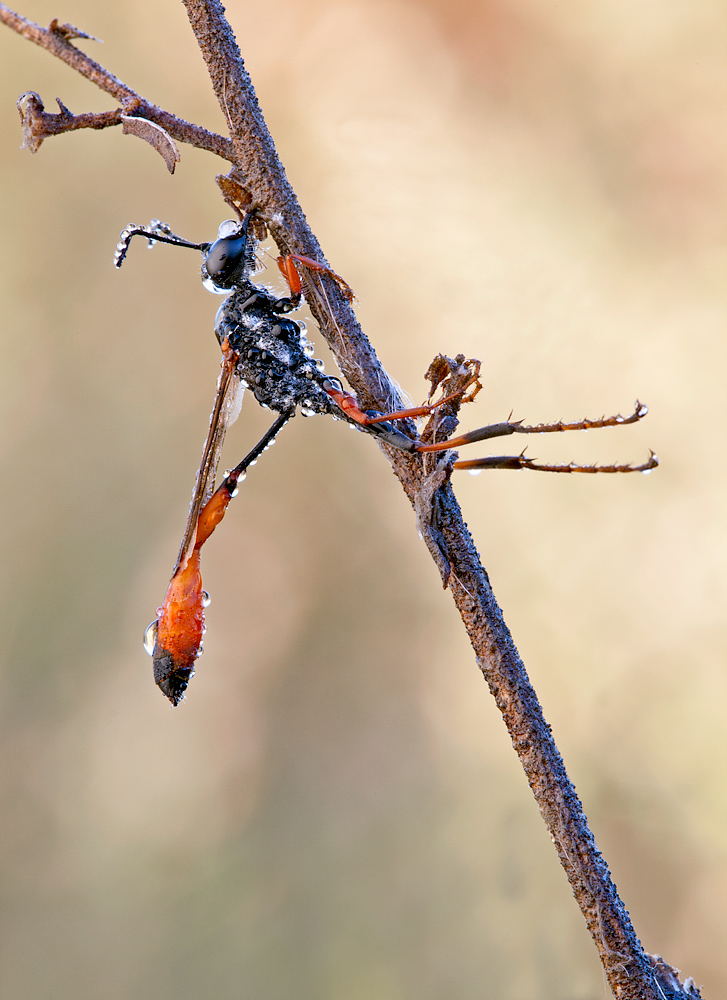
column 630, row 971
column 56, row 40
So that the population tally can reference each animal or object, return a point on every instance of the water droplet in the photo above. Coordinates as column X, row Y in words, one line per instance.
column 206, row 599
column 475, row 472
column 233, row 494
column 150, row 637
column 227, row 228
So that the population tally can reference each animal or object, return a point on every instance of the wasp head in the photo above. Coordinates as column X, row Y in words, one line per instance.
column 231, row 259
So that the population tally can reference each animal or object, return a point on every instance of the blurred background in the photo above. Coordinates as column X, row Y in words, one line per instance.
column 336, row 811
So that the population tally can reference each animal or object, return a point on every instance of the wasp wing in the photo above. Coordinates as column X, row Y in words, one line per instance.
column 226, row 409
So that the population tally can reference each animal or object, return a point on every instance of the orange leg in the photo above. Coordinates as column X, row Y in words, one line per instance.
column 522, row 462
column 518, row 427
column 290, row 273
column 349, row 405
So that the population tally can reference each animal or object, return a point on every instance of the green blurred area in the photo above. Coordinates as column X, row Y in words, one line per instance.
column 336, row 812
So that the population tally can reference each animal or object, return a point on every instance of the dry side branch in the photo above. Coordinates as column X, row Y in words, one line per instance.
column 56, row 39
column 38, row 124
column 631, row 973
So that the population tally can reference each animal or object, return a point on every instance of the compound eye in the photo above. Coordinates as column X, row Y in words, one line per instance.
column 224, row 257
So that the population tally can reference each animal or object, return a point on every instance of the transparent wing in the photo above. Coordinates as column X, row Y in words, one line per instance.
column 225, row 412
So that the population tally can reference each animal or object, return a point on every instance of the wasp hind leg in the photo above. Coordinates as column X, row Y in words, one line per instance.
column 521, row 461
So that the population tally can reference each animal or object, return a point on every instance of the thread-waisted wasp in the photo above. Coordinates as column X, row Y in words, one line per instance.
column 265, row 351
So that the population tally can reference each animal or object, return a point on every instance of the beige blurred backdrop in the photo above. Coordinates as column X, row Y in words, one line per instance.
column 336, row 813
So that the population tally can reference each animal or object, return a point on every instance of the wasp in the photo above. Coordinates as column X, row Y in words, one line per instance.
column 268, row 353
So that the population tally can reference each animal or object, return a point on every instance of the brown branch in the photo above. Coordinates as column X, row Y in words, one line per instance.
column 631, row 973
column 55, row 39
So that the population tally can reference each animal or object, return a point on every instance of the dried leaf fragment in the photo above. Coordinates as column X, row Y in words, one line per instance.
column 31, row 109
column 155, row 135
column 439, row 370
column 238, row 197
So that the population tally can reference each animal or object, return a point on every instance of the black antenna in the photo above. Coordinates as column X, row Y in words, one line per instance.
column 155, row 232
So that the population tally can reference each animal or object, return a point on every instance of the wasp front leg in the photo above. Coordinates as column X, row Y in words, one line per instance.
column 289, row 271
